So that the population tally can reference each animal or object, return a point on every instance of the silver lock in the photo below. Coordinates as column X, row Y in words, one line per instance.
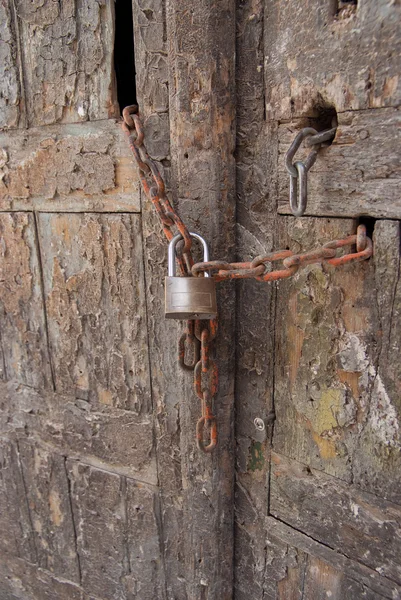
column 189, row 297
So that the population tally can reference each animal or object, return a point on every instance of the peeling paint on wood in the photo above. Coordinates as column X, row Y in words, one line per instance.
column 68, row 60
column 94, row 288
column 70, row 168
column 23, row 331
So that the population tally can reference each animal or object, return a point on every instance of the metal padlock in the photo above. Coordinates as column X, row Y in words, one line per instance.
column 189, row 297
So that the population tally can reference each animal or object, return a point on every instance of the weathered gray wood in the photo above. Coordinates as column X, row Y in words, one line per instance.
column 336, row 390
column 101, row 528
column 47, row 491
column 146, row 573
column 322, row 581
column 315, row 57
column 69, row 168
column 377, row 461
column 16, row 527
column 94, row 287
column 354, row 523
column 20, row 580
column 103, row 436
column 359, row 174
column 279, row 533
column 118, row 538
column 67, row 53
column 11, row 105
column 152, row 90
column 201, row 48
column 23, row 331
column 256, row 160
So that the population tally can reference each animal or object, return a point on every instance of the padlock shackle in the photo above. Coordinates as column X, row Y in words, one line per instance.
column 172, row 255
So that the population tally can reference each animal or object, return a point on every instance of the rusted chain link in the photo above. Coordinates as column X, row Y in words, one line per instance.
column 298, row 170
column 194, row 346
column 258, row 267
column 206, row 382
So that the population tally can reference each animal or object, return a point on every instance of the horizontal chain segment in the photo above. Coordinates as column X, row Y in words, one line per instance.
column 258, row 268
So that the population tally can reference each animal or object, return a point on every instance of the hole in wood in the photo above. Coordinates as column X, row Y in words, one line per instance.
column 124, row 57
column 345, row 8
column 369, row 223
column 326, row 117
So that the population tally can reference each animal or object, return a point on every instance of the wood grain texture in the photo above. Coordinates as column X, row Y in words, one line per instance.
column 166, row 377
column 94, row 287
column 68, row 168
column 47, row 491
column 283, row 541
column 201, row 48
column 16, row 527
column 103, row 436
column 67, row 51
column 118, row 538
column 349, row 60
column 335, row 411
column 255, row 178
column 359, row 174
column 20, row 580
column 23, row 330
column 359, row 525
column 11, row 101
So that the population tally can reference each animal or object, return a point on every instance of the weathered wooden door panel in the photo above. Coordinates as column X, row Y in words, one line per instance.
column 94, row 288
column 103, row 494
column 68, row 168
column 358, row 174
column 324, row 58
column 24, row 349
column 318, row 517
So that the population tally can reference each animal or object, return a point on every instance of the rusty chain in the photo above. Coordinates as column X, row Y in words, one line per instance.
column 258, row 268
column 194, row 346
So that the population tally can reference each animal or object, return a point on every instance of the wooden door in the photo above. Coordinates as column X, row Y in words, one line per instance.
column 318, row 492
column 103, row 492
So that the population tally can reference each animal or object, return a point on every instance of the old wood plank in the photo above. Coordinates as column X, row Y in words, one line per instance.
column 359, row 174
column 374, row 585
column 11, row 101
column 16, row 527
column 118, row 537
column 68, row 168
column 317, row 57
column 20, row 580
column 334, row 410
column 152, row 89
column 354, row 523
column 101, row 528
column 255, row 180
column 48, row 497
column 146, row 578
column 23, row 331
column 322, row 581
column 68, row 60
column 201, row 48
column 94, row 287
column 377, row 459
column 103, row 436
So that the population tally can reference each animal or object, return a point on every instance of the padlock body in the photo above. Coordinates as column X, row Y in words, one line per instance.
column 190, row 298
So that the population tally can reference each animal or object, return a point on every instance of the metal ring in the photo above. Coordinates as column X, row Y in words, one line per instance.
column 299, row 138
column 298, row 201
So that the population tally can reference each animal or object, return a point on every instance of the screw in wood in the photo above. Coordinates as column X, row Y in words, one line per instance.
column 259, row 424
